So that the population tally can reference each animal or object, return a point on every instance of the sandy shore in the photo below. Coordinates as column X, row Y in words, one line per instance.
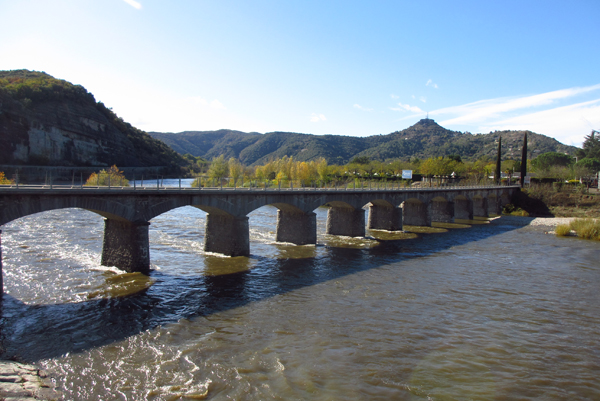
column 533, row 221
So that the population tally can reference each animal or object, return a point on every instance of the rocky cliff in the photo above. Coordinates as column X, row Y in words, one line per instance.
column 51, row 122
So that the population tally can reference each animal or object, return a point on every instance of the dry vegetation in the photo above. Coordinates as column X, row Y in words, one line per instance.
column 559, row 201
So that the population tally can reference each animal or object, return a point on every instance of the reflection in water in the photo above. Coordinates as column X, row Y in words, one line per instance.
column 121, row 285
column 215, row 265
column 427, row 314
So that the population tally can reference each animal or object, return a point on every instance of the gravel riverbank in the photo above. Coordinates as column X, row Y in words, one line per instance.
column 22, row 382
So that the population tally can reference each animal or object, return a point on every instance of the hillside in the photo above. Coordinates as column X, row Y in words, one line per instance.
column 422, row 140
column 45, row 121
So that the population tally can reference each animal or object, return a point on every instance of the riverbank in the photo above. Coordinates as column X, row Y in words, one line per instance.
column 23, row 382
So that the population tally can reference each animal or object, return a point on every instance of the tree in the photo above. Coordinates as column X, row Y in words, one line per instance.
column 218, row 168
column 593, row 165
column 497, row 175
column 235, row 169
column 549, row 159
column 360, row 160
column 110, row 177
column 4, row 180
column 322, row 169
column 591, row 146
column 524, row 160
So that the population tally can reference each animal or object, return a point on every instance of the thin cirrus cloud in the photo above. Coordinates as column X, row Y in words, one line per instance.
column 134, row 4
column 547, row 113
column 493, row 108
column 431, row 83
column 315, row 118
column 407, row 107
column 358, row 106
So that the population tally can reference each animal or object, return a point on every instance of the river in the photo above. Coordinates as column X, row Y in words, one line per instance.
column 492, row 311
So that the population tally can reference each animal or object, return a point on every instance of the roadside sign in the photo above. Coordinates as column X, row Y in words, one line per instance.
column 407, row 174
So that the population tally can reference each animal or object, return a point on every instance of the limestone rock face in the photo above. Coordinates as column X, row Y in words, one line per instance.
column 45, row 121
column 65, row 133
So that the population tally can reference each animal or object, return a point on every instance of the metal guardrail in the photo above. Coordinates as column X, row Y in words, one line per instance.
column 244, row 189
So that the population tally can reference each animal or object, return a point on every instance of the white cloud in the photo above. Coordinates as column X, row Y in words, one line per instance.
column 315, row 118
column 431, row 83
column 551, row 113
column 423, row 99
column 568, row 124
column 215, row 104
column 407, row 107
column 134, row 4
column 480, row 111
column 358, row 106
column 394, row 96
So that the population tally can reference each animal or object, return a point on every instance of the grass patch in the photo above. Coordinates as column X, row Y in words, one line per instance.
column 563, row 230
column 584, row 228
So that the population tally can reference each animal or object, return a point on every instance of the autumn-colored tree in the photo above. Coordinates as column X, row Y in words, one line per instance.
column 218, row 169
column 111, row 177
column 4, row 180
column 236, row 170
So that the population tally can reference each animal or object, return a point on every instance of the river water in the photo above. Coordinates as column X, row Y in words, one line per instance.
column 480, row 311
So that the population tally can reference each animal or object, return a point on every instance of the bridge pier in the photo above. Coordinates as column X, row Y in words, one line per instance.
column 227, row 235
column 384, row 218
column 441, row 211
column 480, row 207
column 126, row 245
column 463, row 208
column 296, row 227
column 345, row 221
column 415, row 213
column 493, row 206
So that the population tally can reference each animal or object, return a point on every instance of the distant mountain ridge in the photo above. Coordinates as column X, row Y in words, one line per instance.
column 424, row 139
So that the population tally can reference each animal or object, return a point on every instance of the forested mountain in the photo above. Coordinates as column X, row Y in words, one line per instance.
column 422, row 140
column 45, row 121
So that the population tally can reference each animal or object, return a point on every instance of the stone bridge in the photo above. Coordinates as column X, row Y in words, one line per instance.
column 128, row 211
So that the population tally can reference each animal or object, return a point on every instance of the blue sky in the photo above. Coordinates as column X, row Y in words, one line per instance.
column 321, row 67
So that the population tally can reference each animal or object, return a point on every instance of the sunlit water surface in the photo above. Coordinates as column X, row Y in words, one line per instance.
column 481, row 312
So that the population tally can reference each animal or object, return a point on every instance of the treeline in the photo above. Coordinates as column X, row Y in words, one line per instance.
column 563, row 167
column 288, row 172
column 361, row 171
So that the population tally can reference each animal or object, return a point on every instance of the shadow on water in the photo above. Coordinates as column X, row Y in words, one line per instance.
column 35, row 332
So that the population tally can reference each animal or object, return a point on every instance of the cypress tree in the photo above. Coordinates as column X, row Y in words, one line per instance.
column 524, row 160
column 497, row 175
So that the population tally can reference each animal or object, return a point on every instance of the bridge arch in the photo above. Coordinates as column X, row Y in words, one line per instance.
column 104, row 207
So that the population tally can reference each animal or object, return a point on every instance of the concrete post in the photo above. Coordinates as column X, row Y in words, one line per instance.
column 415, row 213
column 480, row 208
column 441, row 211
column 345, row 221
column 463, row 209
column 126, row 245
column 384, row 218
column 227, row 235
column 297, row 228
